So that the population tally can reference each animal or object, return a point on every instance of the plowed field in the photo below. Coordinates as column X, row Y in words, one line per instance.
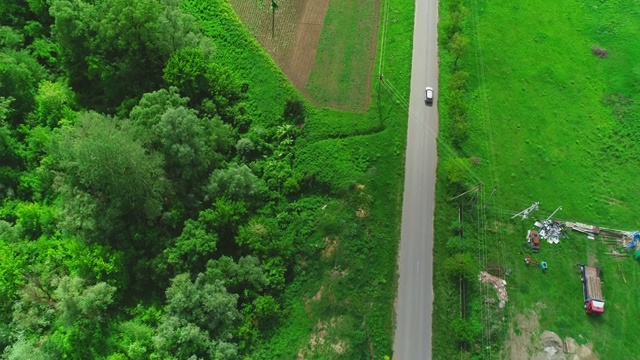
column 343, row 66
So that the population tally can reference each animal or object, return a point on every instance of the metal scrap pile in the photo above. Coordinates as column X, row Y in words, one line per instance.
column 550, row 230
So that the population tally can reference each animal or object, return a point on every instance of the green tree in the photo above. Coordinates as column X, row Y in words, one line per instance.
column 224, row 217
column 54, row 103
column 180, row 136
column 106, row 181
column 456, row 14
column 19, row 77
column 457, row 172
column 192, row 147
column 199, row 78
column 462, row 265
column 35, row 220
column 66, row 314
column 10, row 38
column 149, row 110
column 459, row 80
column 75, row 301
column 26, row 349
column 199, row 239
column 236, row 182
column 462, row 331
column 245, row 277
column 245, row 148
column 294, row 112
column 455, row 244
column 200, row 320
column 457, row 46
column 13, row 12
column 116, row 49
column 265, row 238
column 266, row 310
column 40, row 11
column 10, row 148
column 193, row 248
column 133, row 339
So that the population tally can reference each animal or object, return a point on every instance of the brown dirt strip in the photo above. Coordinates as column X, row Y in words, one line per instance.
column 305, row 46
column 298, row 24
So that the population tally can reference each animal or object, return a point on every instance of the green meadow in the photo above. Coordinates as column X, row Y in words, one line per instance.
column 551, row 122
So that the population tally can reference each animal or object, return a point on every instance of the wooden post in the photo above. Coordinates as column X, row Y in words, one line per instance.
column 273, row 22
column 274, row 6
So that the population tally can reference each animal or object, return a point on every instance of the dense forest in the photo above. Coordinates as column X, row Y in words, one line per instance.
column 146, row 211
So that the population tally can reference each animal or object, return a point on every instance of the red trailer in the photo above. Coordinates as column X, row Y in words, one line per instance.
column 592, row 289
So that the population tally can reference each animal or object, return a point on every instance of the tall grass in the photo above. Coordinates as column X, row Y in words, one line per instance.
column 357, row 158
column 237, row 50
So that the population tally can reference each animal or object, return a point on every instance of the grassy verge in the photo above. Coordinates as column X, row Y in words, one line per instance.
column 553, row 123
column 344, row 293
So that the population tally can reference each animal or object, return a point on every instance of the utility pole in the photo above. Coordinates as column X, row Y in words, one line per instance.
column 490, row 196
column 274, row 6
column 475, row 188
column 525, row 213
column 559, row 208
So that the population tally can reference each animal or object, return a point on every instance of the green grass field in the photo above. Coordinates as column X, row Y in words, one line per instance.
column 541, row 122
column 341, row 75
column 553, row 123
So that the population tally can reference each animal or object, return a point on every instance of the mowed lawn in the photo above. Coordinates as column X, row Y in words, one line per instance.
column 342, row 72
column 556, row 124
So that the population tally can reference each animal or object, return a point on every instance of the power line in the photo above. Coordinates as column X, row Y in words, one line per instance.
column 430, row 131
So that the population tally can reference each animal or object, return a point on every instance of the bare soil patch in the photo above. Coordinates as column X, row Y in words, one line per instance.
column 321, row 340
column 520, row 341
column 293, row 41
column 331, row 64
column 330, row 246
column 526, row 341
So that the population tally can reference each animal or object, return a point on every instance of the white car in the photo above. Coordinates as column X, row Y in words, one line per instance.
column 428, row 96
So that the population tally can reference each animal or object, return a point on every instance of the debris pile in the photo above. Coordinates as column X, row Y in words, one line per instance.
column 590, row 230
column 553, row 345
column 550, row 230
column 499, row 284
column 626, row 239
column 632, row 238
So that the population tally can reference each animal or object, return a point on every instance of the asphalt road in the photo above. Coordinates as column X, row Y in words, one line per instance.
column 414, row 304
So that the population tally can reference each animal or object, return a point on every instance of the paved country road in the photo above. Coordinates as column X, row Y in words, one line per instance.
column 414, row 303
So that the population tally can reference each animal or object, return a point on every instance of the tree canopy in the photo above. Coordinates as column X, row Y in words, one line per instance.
column 146, row 211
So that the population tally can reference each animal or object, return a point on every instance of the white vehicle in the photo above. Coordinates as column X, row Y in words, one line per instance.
column 428, row 96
